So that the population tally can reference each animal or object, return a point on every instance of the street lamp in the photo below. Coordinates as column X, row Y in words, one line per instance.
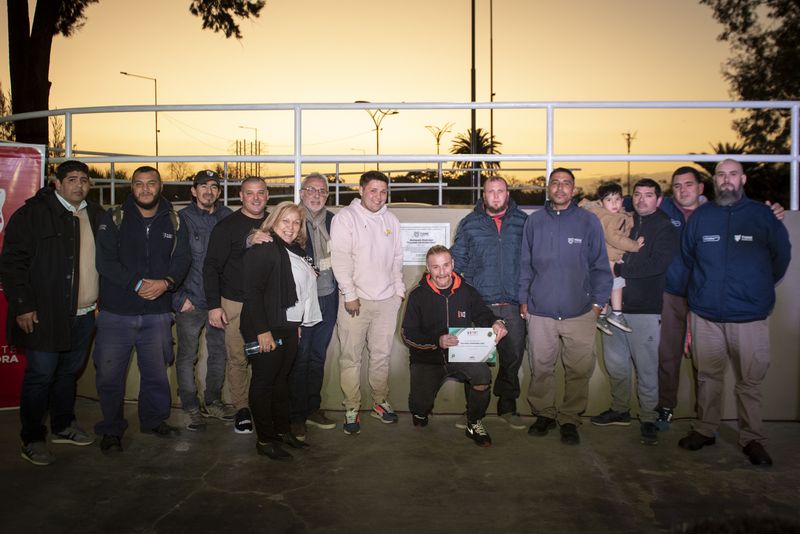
column 155, row 97
column 439, row 132
column 258, row 148
column 377, row 116
column 629, row 137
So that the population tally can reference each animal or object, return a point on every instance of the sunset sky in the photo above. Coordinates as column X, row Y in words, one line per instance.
column 412, row 51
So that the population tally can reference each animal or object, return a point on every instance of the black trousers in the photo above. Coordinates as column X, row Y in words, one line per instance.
column 426, row 380
column 269, row 387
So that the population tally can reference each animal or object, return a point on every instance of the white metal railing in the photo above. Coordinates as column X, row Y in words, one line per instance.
column 297, row 158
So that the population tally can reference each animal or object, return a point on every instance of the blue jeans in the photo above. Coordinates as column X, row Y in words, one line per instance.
column 637, row 349
column 50, row 381
column 151, row 335
column 188, row 326
column 305, row 380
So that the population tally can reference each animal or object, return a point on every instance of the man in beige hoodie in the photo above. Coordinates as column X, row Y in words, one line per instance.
column 367, row 260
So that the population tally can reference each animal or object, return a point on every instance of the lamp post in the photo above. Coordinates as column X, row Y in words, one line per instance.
column 629, row 137
column 155, row 98
column 377, row 116
column 438, row 132
column 257, row 149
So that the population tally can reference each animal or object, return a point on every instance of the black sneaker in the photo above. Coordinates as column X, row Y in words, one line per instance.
column 273, row 451
column 477, row 433
column 419, row 420
column 243, row 422
column 542, row 426
column 610, row 417
column 569, row 434
column 756, row 453
column 163, row 430
column 664, row 418
column 694, row 441
column 649, row 433
column 110, row 444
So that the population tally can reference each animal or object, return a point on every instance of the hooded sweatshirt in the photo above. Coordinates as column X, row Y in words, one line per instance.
column 366, row 253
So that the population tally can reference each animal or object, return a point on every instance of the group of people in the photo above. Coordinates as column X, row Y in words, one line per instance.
column 269, row 287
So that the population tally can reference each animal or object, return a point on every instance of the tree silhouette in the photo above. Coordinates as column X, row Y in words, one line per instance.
column 485, row 144
column 29, row 47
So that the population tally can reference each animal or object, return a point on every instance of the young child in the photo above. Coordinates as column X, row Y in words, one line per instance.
column 617, row 226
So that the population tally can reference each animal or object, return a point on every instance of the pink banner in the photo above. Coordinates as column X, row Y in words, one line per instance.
column 21, row 170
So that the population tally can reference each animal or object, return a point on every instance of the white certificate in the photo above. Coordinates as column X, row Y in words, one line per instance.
column 474, row 345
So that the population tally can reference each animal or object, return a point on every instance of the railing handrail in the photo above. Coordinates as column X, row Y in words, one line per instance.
column 297, row 157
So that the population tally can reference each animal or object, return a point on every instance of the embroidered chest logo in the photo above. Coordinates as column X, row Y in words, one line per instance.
column 166, row 235
column 461, row 314
column 740, row 237
column 710, row 238
column 574, row 240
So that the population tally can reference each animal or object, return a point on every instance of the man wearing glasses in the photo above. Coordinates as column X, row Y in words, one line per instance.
column 305, row 380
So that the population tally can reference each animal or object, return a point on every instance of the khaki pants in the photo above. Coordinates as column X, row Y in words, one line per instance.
column 747, row 347
column 236, row 366
column 574, row 339
column 374, row 328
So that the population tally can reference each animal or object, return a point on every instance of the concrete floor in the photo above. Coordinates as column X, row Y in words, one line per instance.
column 393, row 479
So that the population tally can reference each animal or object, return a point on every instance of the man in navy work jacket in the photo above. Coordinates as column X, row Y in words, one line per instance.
column 486, row 253
column 440, row 301
column 142, row 256
column 564, row 282
column 736, row 251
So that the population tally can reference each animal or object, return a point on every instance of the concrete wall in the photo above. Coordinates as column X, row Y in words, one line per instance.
column 781, row 389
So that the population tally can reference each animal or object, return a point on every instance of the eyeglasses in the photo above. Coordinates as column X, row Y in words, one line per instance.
column 313, row 191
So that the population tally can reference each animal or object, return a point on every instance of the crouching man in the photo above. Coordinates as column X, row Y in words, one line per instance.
column 440, row 301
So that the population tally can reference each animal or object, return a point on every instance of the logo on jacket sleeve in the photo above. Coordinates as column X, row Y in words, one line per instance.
column 574, row 240
column 710, row 238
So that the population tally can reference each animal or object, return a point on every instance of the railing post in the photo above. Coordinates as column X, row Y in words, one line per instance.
column 225, row 182
column 549, row 154
column 68, row 135
column 439, row 174
column 794, row 185
column 337, row 180
column 113, row 196
column 298, row 160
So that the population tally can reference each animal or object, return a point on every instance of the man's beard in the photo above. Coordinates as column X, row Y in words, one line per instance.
column 727, row 197
column 494, row 211
column 149, row 205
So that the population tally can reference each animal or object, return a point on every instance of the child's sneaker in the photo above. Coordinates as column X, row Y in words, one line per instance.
column 618, row 320
column 604, row 326
column 352, row 422
column 664, row 418
column 384, row 413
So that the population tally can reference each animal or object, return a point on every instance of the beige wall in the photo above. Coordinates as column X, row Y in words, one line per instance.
column 781, row 389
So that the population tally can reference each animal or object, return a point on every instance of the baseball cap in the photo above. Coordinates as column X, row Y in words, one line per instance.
column 206, row 176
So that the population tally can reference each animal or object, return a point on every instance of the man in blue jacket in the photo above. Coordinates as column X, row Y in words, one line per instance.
column 142, row 256
column 564, row 282
column 189, row 303
column 736, row 251
column 486, row 252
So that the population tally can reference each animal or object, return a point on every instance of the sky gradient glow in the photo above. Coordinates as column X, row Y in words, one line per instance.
column 320, row 51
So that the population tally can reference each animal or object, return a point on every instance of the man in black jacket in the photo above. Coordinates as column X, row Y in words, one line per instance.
column 645, row 274
column 142, row 256
column 443, row 300
column 49, row 276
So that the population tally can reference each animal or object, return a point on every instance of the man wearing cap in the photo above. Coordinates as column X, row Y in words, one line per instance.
column 191, row 308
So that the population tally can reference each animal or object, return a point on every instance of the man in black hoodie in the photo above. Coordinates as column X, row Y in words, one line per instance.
column 645, row 274
column 443, row 300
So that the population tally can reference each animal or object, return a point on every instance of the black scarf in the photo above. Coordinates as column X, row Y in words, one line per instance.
column 288, row 294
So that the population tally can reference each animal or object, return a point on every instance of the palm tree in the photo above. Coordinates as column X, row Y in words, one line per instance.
column 484, row 144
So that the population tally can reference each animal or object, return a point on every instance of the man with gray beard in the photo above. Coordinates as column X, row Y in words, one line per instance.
column 736, row 251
